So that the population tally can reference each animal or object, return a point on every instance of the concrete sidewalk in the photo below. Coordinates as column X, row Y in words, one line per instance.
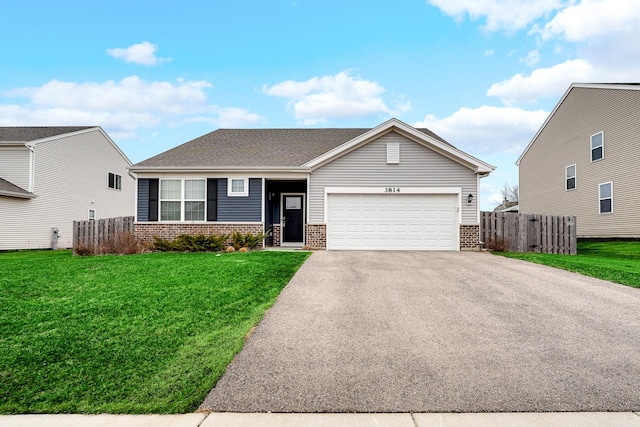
column 203, row 419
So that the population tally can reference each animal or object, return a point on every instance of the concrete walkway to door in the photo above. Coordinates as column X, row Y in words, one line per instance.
column 438, row 332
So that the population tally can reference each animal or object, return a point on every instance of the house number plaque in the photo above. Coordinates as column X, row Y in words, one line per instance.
column 392, row 189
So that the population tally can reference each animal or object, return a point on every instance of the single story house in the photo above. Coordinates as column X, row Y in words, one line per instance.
column 390, row 187
column 51, row 176
column 584, row 161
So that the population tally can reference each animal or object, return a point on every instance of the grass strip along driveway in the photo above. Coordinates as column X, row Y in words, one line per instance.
column 147, row 333
column 615, row 261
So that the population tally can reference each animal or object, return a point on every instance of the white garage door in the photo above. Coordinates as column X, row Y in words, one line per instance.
column 392, row 221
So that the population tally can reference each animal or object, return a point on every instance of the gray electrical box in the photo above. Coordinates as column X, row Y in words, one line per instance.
column 55, row 234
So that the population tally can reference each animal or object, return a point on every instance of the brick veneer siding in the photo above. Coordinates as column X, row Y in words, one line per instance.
column 469, row 237
column 276, row 234
column 146, row 231
column 316, row 236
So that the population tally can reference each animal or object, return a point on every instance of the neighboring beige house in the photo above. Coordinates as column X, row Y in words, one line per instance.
column 391, row 187
column 584, row 161
column 51, row 176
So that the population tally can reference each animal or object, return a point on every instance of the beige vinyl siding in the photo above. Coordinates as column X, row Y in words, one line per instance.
column 565, row 141
column 70, row 173
column 367, row 167
column 14, row 165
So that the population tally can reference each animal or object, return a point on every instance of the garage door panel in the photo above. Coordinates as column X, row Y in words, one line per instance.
column 376, row 221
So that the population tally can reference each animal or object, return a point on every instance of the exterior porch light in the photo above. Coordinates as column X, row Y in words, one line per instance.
column 470, row 198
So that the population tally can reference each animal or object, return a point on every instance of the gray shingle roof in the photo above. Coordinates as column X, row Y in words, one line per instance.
column 257, row 147
column 32, row 133
column 8, row 188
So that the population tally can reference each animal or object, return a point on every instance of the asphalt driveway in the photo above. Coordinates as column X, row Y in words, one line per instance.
column 438, row 332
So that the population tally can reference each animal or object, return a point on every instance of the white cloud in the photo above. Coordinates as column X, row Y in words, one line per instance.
column 491, row 195
column 488, row 52
column 487, row 129
column 532, row 58
column 129, row 94
column 592, row 18
column 543, row 82
column 238, row 117
column 120, row 107
column 499, row 14
column 553, row 81
column 331, row 97
column 142, row 53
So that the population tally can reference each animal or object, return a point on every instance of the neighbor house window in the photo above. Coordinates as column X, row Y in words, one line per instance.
column 238, row 187
column 597, row 146
column 92, row 214
column 606, row 197
column 115, row 181
column 170, row 199
column 194, row 199
column 570, row 177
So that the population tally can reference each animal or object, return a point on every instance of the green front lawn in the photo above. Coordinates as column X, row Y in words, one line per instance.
column 147, row 333
column 616, row 261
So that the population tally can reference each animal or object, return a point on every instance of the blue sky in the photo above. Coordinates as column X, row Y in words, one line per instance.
column 483, row 74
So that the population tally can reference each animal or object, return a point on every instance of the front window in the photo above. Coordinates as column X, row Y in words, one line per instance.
column 597, row 146
column 570, row 177
column 170, row 199
column 183, row 200
column 238, row 187
column 606, row 197
column 194, row 196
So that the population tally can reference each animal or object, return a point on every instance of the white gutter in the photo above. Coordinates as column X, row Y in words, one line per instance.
column 218, row 169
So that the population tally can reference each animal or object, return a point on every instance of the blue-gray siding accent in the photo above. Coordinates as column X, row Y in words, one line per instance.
column 143, row 200
column 367, row 167
column 240, row 209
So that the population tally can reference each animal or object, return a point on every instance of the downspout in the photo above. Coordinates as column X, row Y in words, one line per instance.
column 135, row 194
column 32, row 166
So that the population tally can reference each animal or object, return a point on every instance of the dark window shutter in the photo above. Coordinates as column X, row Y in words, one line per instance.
column 112, row 180
column 153, row 199
column 212, row 199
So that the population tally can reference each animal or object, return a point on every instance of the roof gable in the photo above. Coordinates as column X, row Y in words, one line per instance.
column 427, row 139
column 33, row 133
column 603, row 86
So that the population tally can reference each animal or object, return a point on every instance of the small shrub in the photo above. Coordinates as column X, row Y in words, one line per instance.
column 243, row 249
column 248, row 240
column 497, row 244
column 189, row 243
column 161, row 245
column 230, row 249
column 122, row 244
column 84, row 250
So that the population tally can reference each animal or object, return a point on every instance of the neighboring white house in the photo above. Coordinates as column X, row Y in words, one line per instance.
column 51, row 176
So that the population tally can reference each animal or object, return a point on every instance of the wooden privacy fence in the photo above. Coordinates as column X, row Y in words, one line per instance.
column 96, row 232
column 530, row 232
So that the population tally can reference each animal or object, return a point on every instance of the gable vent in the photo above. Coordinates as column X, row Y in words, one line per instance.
column 393, row 153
